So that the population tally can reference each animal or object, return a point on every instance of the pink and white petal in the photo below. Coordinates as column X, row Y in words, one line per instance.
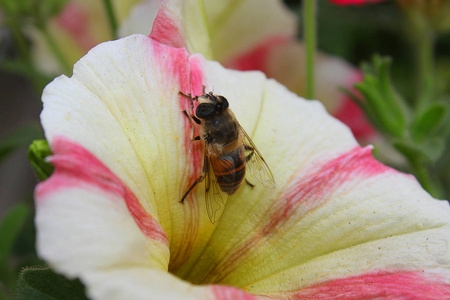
column 381, row 285
column 418, row 245
column 122, row 105
column 87, row 219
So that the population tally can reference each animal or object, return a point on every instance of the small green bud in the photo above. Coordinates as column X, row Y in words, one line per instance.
column 37, row 153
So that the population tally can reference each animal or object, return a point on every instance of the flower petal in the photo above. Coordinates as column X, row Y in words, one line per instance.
column 402, row 285
column 131, row 117
column 142, row 283
column 88, row 219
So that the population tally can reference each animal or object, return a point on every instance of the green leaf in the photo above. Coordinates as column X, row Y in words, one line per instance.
column 22, row 136
column 428, row 122
column 41, row 283
column 382, row 104
column 10, row 228
column 430, row 152
column 37, row 153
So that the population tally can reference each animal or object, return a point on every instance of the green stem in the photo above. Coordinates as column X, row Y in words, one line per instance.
column 111, row 18
column 20, row 41
column 425, row 68
column 66, row 67
column 309, row 25
column 422, row 39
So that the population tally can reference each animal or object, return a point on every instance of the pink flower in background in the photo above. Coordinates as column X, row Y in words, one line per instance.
column 354, row 2
column 81, row 25
column 339, row 224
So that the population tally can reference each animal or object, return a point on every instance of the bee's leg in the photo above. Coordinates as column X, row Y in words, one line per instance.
column 198, row 180
column 191, row 99
column 189, row 96
column 250, row 184
column 190, row 118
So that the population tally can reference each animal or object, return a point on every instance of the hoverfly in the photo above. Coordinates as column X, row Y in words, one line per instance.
column 228, row 153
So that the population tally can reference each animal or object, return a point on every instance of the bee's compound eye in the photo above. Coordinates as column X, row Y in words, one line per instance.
column 224, row 101
column 205, row 110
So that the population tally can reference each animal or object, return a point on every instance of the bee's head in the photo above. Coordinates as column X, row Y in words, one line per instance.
column 209, row 105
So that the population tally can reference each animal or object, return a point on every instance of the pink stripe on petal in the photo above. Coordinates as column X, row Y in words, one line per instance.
column 188, row 70
column 195, row 161
column 314, row 189
column 176, row 63
column 197, row 81
column 223, row 292
column 257, row 57
column 385, row 285
column 77, row 167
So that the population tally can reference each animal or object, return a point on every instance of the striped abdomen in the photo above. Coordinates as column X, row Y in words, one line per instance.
column 229, row 169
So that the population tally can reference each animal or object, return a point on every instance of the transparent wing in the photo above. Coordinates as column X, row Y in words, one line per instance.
column 216, row 200
column 256, row 165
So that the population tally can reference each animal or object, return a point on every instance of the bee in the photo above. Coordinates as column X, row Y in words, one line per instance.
column 228, row 153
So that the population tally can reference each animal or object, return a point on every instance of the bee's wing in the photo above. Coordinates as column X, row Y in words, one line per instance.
column 216, row 200
column 256, row 165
